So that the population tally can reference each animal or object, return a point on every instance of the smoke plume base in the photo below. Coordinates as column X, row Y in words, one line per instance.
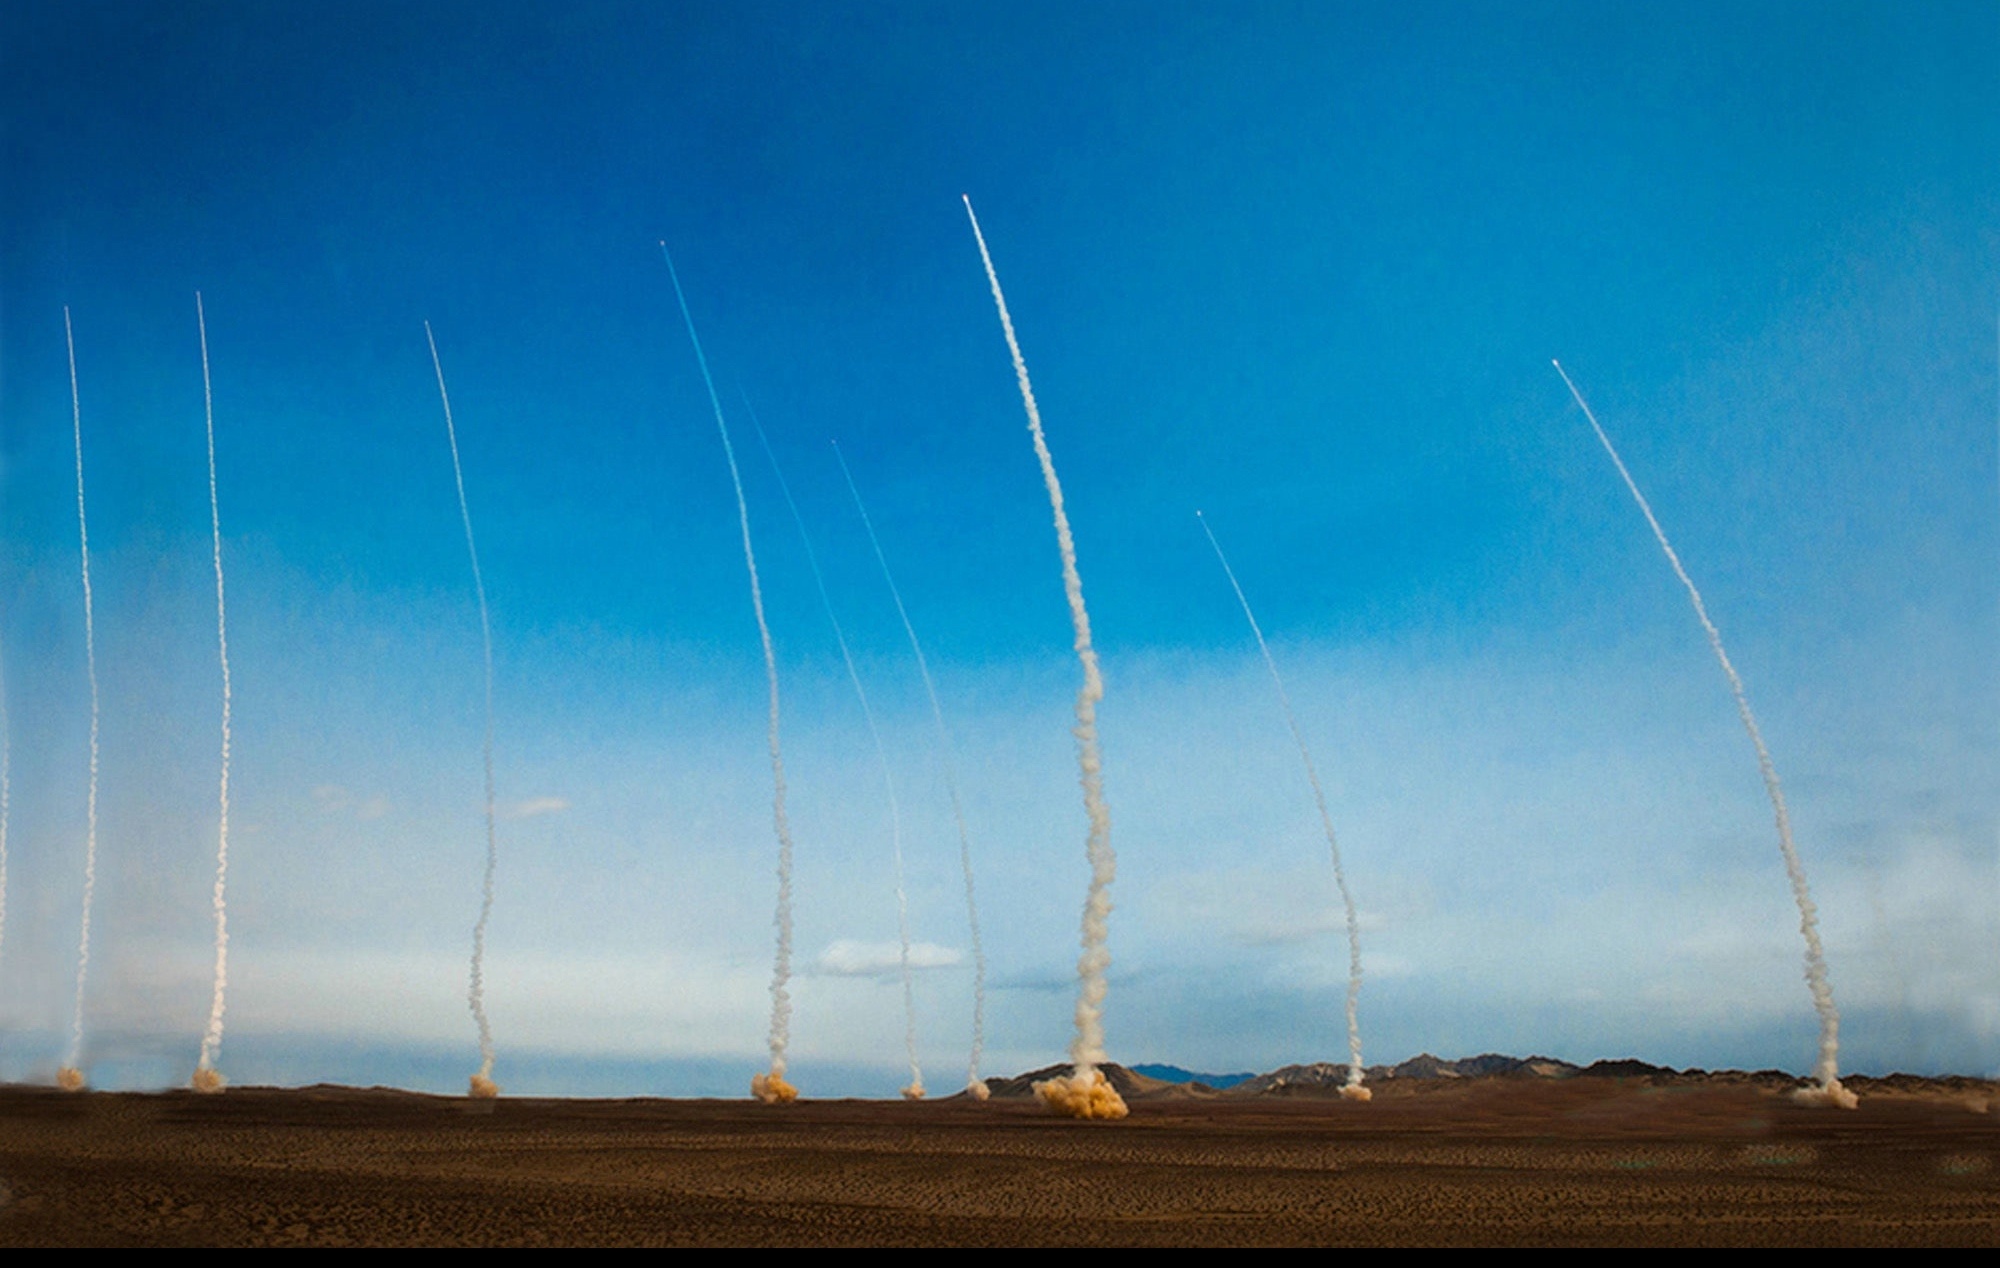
column 206, row 1079
column 978, row 1089
column 914, row 1092
column 1830, row 1092
column 1356, row 1092
column 1085, row 1093
column 481, row 1088
column 772, row 1089
column 70, row 1079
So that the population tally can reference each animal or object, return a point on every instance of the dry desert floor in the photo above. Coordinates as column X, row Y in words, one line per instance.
column 1492, row 1162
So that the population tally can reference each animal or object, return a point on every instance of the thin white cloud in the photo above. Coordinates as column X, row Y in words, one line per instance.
column 534, row 807
column 332, row 799
column 846, row 957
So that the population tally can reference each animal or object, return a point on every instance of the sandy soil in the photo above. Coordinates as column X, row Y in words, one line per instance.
column 1580, row 1161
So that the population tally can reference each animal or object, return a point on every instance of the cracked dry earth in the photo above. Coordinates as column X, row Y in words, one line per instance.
column 1488, row 1162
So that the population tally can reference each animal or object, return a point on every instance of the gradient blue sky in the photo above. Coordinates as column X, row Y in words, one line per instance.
column 1302, row 266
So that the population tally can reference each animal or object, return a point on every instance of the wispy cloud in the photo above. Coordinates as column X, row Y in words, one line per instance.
column 848, row 958
column 534, row 807
column 332, row 799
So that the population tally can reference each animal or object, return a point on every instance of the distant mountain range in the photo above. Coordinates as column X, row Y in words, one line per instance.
column 1174, row 1074
column 1324, row 1079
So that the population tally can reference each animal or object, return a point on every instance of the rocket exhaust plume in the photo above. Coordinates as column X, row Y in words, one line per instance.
column 771, row 1087
column 973, row 1083
column 206, row 1077
column 1826, row 1070
column 70, row 1075
column 481, row 1084
column 915, row 1090
column 1086, row 1094
column 6, row 763
column 1353, row 1089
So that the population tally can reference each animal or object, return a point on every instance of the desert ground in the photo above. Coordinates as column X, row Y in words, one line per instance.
column 1490, row 1161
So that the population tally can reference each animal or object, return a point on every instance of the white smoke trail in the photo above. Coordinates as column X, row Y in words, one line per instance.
column 973, row 1083
column 1826, row 1070
column 206, row 1077
column 769, row 1087
column 6, row 764
column 70, row 1076
column 915, row 1091
column 481, row 1083
column 1082, row 1094
column 1353, row 1089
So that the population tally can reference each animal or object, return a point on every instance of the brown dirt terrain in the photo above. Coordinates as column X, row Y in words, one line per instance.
column 1476, row 1161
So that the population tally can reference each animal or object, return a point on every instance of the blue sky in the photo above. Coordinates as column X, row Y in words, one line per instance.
column 1300, row 266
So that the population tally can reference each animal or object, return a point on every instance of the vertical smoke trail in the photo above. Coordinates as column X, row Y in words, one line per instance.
column 1086, row 1093
column 1353, row 1089
column 973, row 1083
column 70, row 1076
column 770, row 1087
column 915, row 1091
column 6, row 763
column 481, row 1083
column 1826, row 1070
column 206, row 1077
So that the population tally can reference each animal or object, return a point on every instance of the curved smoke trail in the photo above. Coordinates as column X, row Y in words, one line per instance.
column 206, row 1077
column 481, row 1083
column 915, row 1091
column 70, row 1076
column 1826, row 1070
column 973, row 1083
column 770, row 1087
column 1353, row 1088
column 1086, row 1093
